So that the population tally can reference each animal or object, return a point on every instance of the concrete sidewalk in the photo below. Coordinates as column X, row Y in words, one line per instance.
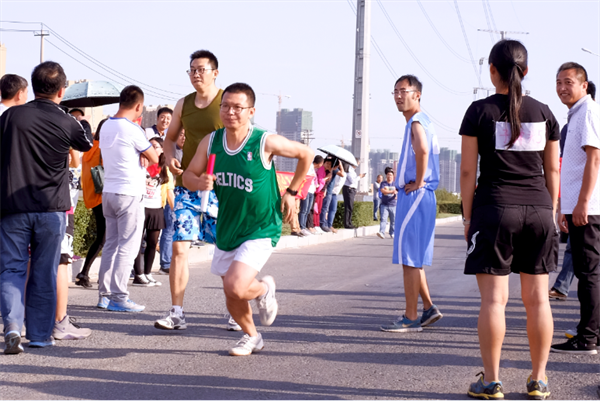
column 205, row 253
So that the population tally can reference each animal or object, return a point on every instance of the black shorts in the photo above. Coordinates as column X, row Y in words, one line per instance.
column 511, row 238
column 66, row 246
column 155, row 219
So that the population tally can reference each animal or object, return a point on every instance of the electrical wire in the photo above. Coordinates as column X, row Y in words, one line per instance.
column 440, row 35
column 462, row 27
column 97, row 72
column 394, row 75
column 487, row 20
column 154, row 90
column 389, row 19
column 489, row 6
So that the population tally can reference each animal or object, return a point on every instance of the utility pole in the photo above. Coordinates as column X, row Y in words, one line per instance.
column 503, row 33
column 41, row 34
column 360, row 115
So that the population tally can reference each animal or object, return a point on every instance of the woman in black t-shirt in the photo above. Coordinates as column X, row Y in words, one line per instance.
column 509, row 217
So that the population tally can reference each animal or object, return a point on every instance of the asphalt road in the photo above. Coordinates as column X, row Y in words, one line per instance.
column 325, row 343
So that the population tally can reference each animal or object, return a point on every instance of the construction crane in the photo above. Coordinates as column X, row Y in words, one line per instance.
column 279, row 100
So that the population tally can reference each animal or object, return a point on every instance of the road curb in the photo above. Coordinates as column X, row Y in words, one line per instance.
column 205, row 253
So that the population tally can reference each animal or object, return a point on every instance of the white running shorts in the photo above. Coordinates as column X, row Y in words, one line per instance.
column 253, row 253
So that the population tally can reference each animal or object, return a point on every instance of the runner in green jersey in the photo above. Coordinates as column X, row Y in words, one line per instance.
column 250, row 207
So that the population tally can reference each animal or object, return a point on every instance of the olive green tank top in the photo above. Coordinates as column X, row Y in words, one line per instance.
column 246, row 186
column 197, row 124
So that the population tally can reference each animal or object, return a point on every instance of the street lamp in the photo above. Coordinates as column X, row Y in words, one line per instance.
column 589, row 51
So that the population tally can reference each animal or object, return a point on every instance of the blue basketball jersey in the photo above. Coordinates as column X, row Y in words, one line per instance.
column 407, row 166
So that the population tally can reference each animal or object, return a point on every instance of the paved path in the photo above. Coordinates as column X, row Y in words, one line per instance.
column 325, row 344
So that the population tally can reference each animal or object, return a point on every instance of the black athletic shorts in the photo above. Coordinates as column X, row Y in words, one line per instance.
column 511, row 238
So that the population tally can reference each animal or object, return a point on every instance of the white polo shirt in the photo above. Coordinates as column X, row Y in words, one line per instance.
column 121, row 143
column 583, row 130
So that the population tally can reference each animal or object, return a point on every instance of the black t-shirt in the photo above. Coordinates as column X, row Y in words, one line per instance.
column 510, row 176
column 563, row 138
column 34, row 156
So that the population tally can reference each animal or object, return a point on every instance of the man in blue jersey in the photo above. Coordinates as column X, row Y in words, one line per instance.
column 416, row 181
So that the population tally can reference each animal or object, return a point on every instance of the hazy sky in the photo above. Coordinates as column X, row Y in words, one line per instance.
column 305, row 49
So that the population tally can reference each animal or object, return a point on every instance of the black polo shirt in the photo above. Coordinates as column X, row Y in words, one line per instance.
column 35, row 140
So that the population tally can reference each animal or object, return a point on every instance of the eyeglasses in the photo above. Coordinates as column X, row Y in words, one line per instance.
column 402, row 92
column 200, row 71
column 236, row 109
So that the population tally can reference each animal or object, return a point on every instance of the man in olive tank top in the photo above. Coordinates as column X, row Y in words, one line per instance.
column 198, row 113
column 250, row 207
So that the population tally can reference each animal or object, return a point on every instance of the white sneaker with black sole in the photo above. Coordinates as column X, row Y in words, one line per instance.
column 267, row 304
column 381, row 235
column 247, row 345
column 142, row 281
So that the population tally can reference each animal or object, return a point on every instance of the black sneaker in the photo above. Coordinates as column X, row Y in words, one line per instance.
column 83, row 281
column 537, row 389
column 575, row 345
column 326, row 229
column 163, row 271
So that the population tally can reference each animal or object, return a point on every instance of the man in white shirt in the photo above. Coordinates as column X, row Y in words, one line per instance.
column 14, row 91
column 349, row 191
column 163, row 120
column 125, row 153
column 580, row 202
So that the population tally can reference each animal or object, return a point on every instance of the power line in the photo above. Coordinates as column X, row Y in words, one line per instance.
column 107, row 68
column 158, row 92
column 439, row 35
column 487, row 20
column 462, row 27
column 413, row 55
column 97, row 72
column 489, row 5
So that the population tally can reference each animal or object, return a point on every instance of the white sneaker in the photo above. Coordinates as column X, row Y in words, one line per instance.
column 232, row 324
column 153, row 280
column 318, row 231
column 142, row 281
column 305, row 232
column 172, row 321
column 381, row 235
column 247, row 345
column 392, row 236
column 267, row 304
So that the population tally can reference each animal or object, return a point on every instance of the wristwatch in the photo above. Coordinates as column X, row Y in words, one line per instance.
column 291, row 192
column 466, row 222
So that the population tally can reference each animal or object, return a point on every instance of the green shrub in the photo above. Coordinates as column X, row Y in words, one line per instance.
column 85, row 230
column 444, row 196
column 362, row 215
column 449, row 207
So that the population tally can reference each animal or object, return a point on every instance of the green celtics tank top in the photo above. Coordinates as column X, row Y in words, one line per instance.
column 246, row 186
column 197, row 124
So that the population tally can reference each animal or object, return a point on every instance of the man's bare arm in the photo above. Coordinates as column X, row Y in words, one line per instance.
column 171, row 139
column 590, row 176
column 419, row 144
column 195, row 177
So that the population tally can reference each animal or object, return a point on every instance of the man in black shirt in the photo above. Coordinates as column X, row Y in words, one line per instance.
column 35, row 141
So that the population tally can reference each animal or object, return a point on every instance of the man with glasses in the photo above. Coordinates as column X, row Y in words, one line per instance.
column 250, row 207
column 198, row 114
column 417, row 179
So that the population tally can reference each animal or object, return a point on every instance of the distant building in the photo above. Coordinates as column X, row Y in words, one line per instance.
column 379, row 159
column 149, row 114
column 295, row 125
column 92, row 114
column 449, row 170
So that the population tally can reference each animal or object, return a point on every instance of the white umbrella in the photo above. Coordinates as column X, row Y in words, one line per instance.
column 92, row 94
column 340, row 153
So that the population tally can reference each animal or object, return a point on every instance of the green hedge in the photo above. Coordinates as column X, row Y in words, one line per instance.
column 85, row 230
column 362, row 215
column 449, row 207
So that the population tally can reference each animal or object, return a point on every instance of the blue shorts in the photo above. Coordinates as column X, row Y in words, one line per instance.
column 187, row 225
column 415, row 228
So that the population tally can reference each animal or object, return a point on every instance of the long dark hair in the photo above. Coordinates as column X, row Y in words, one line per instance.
column 164, row 176
column 97, row 133
column 510, row 59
